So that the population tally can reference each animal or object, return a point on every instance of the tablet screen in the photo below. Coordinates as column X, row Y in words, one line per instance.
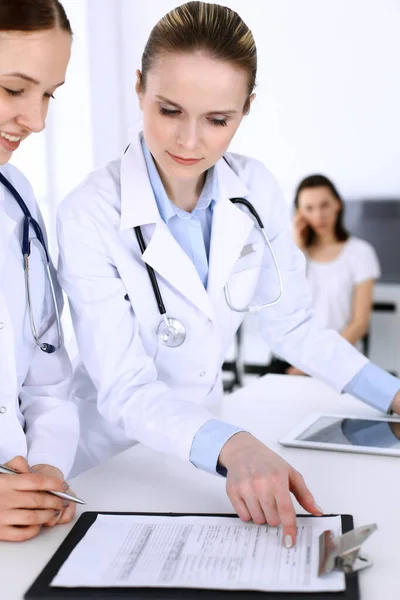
column 353, row 432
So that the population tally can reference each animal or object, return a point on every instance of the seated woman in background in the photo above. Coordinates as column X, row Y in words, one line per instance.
column 341, row 269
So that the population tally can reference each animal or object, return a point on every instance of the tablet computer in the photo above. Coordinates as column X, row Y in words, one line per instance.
column 343, row 433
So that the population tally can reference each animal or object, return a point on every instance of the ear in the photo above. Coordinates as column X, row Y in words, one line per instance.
column 248, row 104
column 139, row 87
column 252, row 97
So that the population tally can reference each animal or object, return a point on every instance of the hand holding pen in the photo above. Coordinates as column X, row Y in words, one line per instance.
column 24, row 508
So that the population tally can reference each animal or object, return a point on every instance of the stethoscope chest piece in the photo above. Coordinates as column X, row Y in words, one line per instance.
column 171, row 332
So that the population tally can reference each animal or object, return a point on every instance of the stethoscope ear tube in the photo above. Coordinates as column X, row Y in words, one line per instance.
column 152, row 275
column 250, row 208
column 29, row 220
column 26, row 250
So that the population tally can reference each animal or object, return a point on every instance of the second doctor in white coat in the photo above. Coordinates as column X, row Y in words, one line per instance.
column 39, row 426
column 194, row 88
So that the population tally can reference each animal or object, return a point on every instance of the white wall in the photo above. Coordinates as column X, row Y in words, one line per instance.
column 328, row 88
column 106, row 57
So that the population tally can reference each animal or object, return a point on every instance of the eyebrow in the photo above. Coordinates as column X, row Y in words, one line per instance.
column 28, row 78
column 211, row 112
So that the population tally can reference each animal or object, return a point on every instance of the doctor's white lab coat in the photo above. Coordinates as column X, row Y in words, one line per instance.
column 37, row 419
column 145, row 391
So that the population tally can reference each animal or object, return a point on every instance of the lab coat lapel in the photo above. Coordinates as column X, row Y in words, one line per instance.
column 231, row 227
column 167, row 258
column 163, row 253
column 7, row 226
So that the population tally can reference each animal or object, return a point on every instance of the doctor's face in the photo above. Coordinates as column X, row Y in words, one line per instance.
column 192, row 106
column 32, row 67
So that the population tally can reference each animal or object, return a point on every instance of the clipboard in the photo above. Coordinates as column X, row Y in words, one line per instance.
column 42, row 590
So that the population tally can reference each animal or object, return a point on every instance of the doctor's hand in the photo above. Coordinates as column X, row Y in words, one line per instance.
column 259, row 483
column 69, row 508
column 24, row 508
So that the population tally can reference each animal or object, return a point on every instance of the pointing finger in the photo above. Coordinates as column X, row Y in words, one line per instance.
column 287, row 517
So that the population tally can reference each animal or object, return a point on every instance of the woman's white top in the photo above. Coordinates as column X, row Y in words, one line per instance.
column 37, row 420
column 333, row 283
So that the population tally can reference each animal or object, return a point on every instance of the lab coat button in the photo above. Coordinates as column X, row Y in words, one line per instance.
column 202, row 373
column 2, row 410
column 1, row 325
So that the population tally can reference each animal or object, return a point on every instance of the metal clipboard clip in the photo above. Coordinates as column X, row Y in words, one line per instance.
column 343, row 552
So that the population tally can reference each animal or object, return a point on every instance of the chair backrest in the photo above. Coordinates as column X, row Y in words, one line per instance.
column 387, row 307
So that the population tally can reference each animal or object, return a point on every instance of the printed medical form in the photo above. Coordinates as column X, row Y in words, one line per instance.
column 198, row 552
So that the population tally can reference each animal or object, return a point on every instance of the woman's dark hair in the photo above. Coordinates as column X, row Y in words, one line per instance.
column 314, row 181
column 33, row 15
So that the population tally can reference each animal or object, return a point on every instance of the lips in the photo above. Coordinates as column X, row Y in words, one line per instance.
column 8, row 145
column 184, row 161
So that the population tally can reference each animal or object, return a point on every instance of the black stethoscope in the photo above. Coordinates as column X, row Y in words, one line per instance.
column 171, row 332
column 26, row 252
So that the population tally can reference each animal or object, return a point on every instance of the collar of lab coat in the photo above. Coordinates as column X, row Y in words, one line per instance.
column 230, row 229
column 138, row 205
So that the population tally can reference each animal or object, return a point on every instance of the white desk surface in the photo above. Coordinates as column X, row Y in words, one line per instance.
column 141, row 479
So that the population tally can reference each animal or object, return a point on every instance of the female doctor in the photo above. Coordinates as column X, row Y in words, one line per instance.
column 38, row 424
column 159, row 264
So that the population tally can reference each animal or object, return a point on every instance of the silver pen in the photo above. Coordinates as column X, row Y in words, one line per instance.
column 7, row 471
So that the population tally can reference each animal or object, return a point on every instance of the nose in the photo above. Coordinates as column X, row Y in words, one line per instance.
column 188, row 135
column 34, row 116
